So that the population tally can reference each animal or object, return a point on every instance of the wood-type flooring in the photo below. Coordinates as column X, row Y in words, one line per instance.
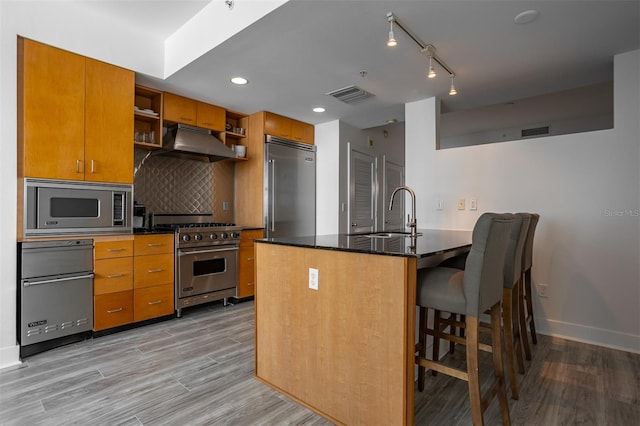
column 198, row 370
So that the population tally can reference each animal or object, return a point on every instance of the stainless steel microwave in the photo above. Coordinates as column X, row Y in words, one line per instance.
column 54, row 207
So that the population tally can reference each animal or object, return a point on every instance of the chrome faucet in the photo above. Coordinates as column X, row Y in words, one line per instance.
column 412, row 219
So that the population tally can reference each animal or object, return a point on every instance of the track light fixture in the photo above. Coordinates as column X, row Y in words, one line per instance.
column 427, row 49
column 453, row 90
column 392, row 40
column 432, row 71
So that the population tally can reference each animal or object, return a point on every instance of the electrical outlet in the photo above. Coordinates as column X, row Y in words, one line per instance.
column 473, row 204
column 542, row 290
column 225, row 205
column 461, row 205
column 313, row 278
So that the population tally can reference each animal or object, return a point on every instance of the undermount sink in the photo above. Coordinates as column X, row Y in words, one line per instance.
column 389, row 234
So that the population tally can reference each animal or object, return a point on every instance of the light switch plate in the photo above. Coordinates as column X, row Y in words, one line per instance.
column 313, row 278
column 473, row 204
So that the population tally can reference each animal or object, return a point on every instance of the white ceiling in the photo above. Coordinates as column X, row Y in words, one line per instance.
column 305, row 48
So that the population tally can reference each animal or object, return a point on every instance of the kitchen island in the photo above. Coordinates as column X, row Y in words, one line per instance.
column 335, row 320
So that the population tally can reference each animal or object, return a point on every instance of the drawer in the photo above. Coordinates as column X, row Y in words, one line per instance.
column 153, row 244
column 153, row 302
column 113, row 275
column 246, row 271
column 152, row 270
column 111, row 249
column 112, row 310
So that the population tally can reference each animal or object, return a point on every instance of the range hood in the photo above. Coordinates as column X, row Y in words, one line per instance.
column 194, row 143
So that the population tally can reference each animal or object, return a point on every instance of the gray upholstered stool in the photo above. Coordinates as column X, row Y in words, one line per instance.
column 470, row 293
column 525, row 294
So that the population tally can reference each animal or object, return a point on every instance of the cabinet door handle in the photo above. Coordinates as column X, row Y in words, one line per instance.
column 93, row 168
column 115, row 249
column 249, row 258
column 115, row 275
column 249, row 283
column 153, row 271
column 113, row 311
column 154, row 245
column 155, row 303
column 78, row 166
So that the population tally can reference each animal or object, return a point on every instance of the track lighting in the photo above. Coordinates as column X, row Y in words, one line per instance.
column 432, row 71
column 391, row 42
column 427, row 49
column 453, row 90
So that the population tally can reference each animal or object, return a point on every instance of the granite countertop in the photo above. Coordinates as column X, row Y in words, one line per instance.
column 432, row 242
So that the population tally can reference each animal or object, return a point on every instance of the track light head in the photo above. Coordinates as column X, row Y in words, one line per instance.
column 432, row 71
column 391, row 42
column 452, row 91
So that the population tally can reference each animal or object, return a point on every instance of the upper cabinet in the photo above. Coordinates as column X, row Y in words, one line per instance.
column 147, row 115
column 288, row 128
column 74, row 113
column 178, row 109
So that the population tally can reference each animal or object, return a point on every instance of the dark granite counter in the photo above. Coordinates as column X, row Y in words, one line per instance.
column 431, row 247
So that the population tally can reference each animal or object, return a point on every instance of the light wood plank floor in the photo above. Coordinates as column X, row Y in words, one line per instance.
column 198, row 370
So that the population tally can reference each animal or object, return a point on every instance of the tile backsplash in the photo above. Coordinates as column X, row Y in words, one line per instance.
column 172, row 185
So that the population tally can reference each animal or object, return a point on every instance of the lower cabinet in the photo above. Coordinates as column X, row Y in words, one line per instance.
column 246, row 263
column 133, row 279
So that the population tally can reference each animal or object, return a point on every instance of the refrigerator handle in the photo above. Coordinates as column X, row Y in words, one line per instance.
column 272, row 201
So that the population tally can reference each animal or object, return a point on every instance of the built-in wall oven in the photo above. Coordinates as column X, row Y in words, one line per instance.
column 206, row 259
column 55, row 293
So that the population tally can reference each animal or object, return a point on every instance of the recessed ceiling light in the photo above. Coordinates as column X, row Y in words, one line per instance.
column 319, row 109
column 239, row 80
column 526, row 17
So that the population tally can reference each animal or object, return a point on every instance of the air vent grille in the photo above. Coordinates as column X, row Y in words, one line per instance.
column 350, row 94
column 536, row 131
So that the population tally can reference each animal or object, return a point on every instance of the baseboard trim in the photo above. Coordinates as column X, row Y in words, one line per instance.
column 591, row 335
column 9, row 356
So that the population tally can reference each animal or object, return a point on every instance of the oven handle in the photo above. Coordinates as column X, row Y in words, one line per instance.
column 182, row 252
column 57, row 280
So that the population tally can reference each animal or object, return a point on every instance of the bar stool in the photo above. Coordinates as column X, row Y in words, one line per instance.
column 525, row 294
column 470, row 293
column 511, row 313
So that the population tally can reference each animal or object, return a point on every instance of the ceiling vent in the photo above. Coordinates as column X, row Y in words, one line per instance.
column 535, row 131
column 350, row 94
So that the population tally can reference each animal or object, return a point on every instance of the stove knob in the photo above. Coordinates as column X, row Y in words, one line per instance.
column 186, row 237
column 213, row 236
column 198, row 237
column 224, row 235
column 235, row 235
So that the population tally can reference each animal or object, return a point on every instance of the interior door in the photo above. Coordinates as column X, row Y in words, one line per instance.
column 393, row 177
column 362, row 192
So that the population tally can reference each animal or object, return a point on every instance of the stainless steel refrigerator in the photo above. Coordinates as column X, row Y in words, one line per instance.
column 290, row 188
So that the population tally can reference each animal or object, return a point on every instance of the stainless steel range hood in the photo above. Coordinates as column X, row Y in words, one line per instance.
column 194, row 143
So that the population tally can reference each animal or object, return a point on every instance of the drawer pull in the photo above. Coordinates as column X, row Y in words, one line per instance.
column 115, row 249
column 115, row 275
column 155, row 303
column 153, row 271
column 186, row 118
column 249, row 258
column 113, row 311
column 154, row 245
column 249, row 283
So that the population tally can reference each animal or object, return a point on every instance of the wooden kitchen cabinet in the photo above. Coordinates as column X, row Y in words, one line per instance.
column 246, row 263
column 113, row 283
column 147, row 116
column 73, row 113
column 178, row 109
column 153, row 294
column 288, row 128
column 134, row 278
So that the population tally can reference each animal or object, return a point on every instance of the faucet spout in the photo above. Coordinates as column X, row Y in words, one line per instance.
column 412, row 220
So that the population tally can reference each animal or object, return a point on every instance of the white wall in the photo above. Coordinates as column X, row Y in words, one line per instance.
column 586, row 187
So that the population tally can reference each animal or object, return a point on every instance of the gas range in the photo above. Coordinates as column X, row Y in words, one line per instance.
column 198, row 231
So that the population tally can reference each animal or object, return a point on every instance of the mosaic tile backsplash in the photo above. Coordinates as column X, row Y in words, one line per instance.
column 172, row 185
